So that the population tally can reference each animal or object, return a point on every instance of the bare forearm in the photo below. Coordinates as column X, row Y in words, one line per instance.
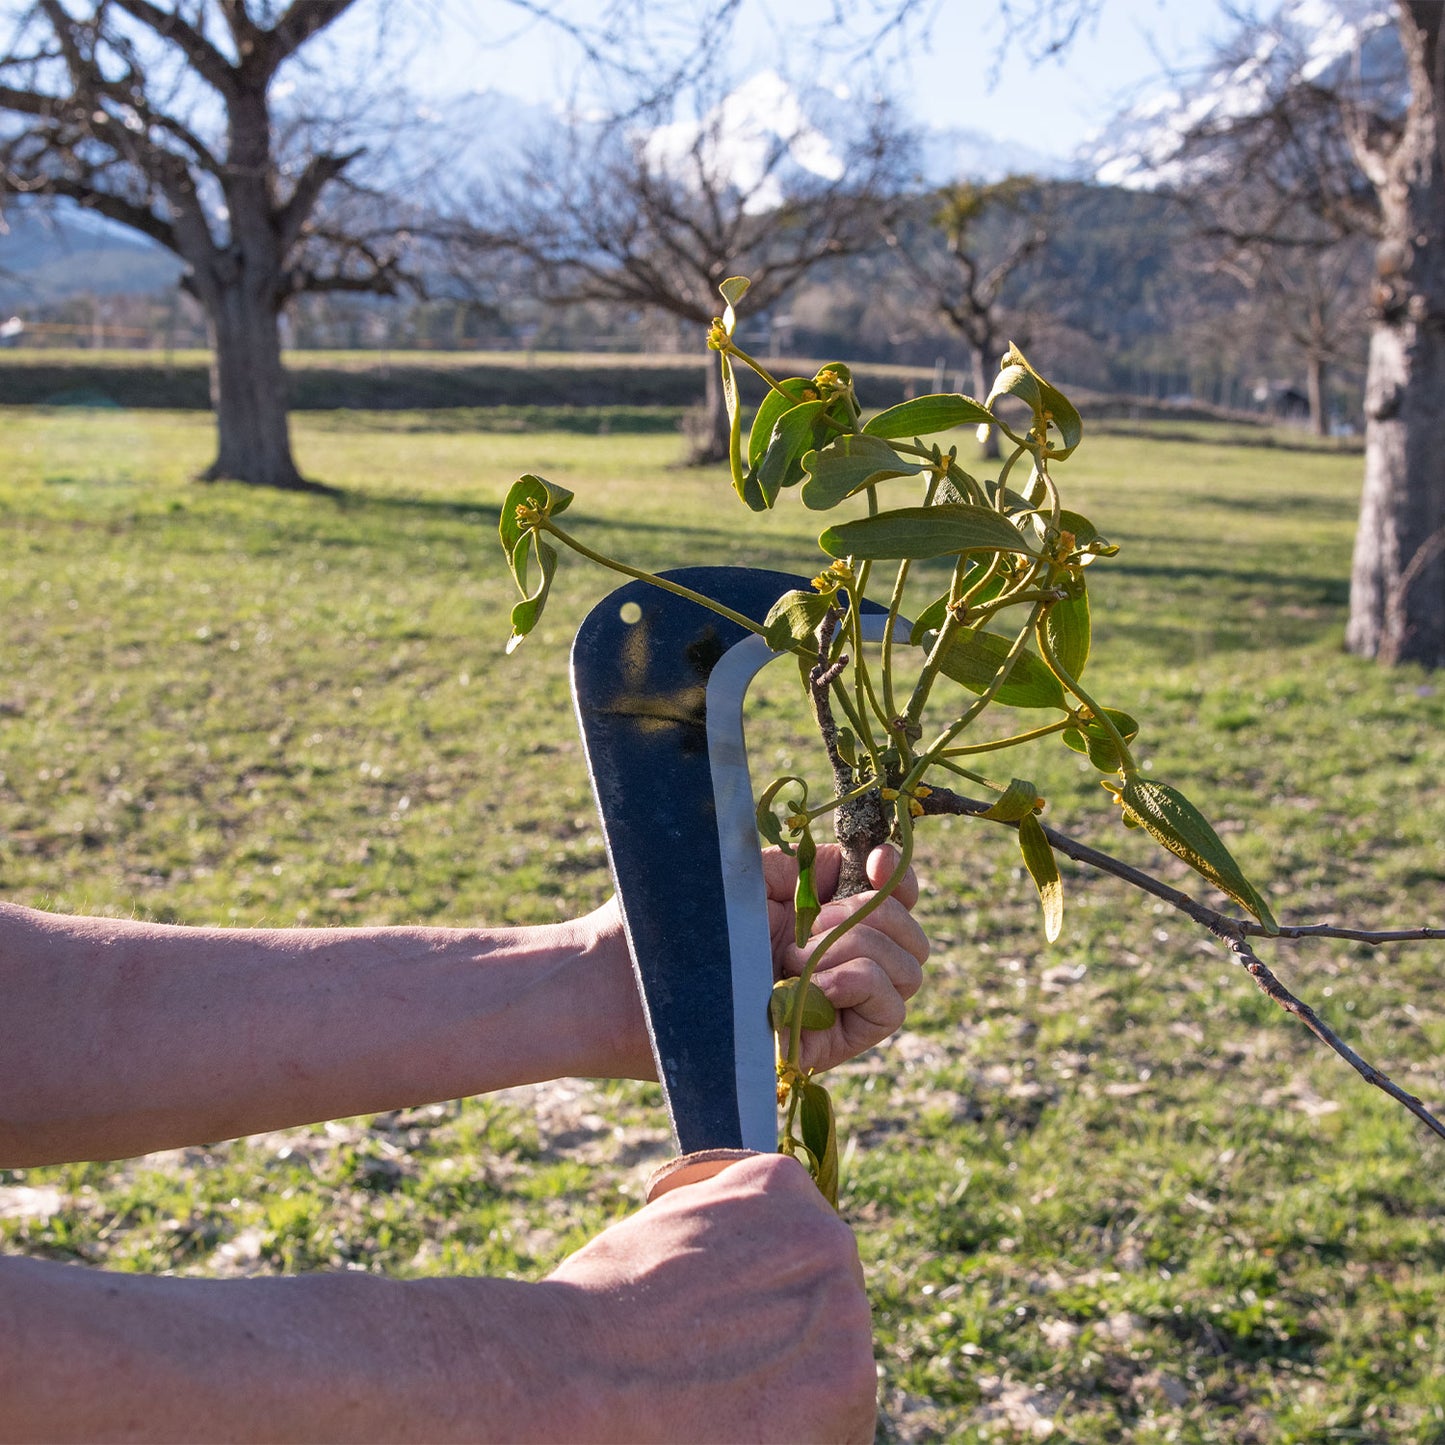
column 118, row 1038
column 731, row 1309
column 86, row 1355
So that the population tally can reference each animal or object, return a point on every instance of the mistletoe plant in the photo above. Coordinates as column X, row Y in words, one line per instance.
column 1010, row 630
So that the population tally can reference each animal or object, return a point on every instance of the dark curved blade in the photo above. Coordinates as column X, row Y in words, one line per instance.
column 658, row 682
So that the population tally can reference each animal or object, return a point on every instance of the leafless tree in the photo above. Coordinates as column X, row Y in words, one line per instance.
column 164, row 117
column 971, row 241
column 1359, row 149
column 1273, row 186
column 1314, row 302
column 1397, row 585
column 656, row 206
column 1360, row 145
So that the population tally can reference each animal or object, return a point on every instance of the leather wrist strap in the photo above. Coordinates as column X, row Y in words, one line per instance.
column 692, row 1169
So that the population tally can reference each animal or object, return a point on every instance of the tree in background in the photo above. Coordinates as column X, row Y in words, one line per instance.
column 165, row 119
column 1397, row 583
column 1274, row 187
column 1310, row 116
column 1312, row 299
column 975, row 241
column 1342, row 151
column 1394, row 132
column 656, row 206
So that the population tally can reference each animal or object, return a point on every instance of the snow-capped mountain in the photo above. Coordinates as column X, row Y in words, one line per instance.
column 1325, row 42
column 738, row 140
column 490, row 133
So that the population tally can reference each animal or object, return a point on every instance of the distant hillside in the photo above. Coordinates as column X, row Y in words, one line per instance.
column 1115, row 274
column 47, row 258
column 1118, row 300
column 1116, row 261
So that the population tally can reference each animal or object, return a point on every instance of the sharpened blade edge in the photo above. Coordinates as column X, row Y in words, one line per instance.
column 745, row 891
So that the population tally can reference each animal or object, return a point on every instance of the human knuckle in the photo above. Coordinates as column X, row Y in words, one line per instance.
column 839, row 1245
column 895, row 1012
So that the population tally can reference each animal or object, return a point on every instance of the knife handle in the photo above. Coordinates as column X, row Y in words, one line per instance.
column 693, row 1169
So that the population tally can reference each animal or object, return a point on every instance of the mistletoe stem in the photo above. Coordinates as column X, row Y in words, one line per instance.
column 905, row 861
column 860, row 822
column 651, row 577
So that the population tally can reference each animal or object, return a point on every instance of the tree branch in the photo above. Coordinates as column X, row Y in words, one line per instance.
column 201, row 55
column 34, row 102
column 115, row 208
column 1231, row 932
column 65, row 28
column 860, row 823
column 382, row 273
column 302, row 20
column 320, row 171
column 385, row 281
column 1272, row 987
column 612, row 46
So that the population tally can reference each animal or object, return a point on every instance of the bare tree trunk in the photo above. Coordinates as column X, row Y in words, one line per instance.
column 982, row 380
column 1316, row 370
column 1397, row 613
column 710, row 441
column 248, row 391
column 1397, row 610
column 241, row 290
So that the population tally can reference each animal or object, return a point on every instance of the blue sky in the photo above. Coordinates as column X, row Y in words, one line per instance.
column 1049, row 105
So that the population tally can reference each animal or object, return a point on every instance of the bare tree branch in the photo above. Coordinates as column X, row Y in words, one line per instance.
column 1373, row 936
column 610, row 213
column 1273, row 988
column 624, row 55
column 1232, row 932
column 951, row 249
column 320, row 171
column 200, row 54
column 303, row 19
column 115, row 208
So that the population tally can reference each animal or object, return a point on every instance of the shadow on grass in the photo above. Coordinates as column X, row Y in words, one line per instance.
column 1234, row 609
column 685, row 545
column 387, row 503
column 1319, row 508
column 1265, row 440
column 720, row 540
column 512, row 420
column 1243, row 581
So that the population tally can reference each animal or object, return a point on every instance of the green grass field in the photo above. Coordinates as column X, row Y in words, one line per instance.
column 1104, row 1190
